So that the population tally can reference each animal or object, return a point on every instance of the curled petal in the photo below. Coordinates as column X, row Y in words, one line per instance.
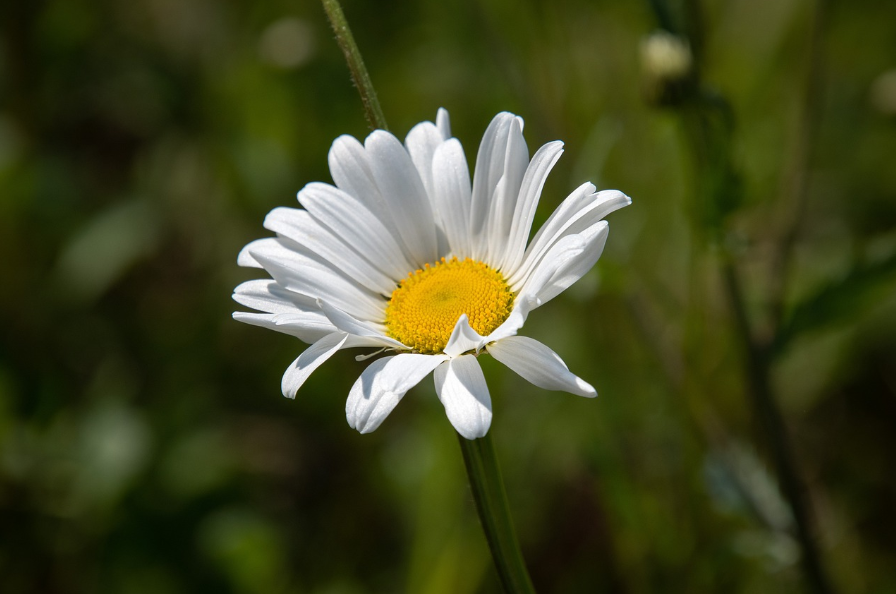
column 565, row 263
column 581, row 210
column 463, row 338
column 382, row 386
column 312, row 358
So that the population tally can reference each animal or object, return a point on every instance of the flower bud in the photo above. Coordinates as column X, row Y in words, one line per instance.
column 667, row 67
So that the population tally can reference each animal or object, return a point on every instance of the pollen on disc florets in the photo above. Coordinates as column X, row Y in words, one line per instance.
column 425, row 307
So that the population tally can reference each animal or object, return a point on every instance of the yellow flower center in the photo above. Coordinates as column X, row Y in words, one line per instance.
column 425, row 307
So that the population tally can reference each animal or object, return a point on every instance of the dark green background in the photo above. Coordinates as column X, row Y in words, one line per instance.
column 144, row 443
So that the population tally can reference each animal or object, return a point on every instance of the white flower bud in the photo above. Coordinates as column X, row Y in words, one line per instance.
column 667, row 65
column 666, row 56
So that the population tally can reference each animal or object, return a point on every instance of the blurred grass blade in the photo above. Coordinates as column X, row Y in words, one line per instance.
column 838, row 301
column 104, row 249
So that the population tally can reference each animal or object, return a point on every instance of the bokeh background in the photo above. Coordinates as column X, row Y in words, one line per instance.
column 145, row 446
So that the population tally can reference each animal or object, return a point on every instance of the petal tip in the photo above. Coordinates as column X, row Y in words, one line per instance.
column 443, row 123
column 585, row 389
column 625, row 197
column 379, row 137
column 473, row 433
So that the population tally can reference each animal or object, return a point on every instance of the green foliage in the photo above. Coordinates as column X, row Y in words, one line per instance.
column 144, row 444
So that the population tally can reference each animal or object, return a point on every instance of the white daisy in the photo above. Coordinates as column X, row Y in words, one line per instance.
column 404, row 255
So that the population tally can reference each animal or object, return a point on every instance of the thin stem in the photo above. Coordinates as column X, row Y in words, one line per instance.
column 494, row 513
column 795, row 187
column 772, row 421
column 361, row 77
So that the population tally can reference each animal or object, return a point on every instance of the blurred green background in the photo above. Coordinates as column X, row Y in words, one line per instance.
column 144, row 443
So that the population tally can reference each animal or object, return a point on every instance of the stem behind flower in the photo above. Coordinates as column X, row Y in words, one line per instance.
column 346, row 41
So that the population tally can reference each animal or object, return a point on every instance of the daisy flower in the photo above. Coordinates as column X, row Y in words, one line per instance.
column 405, row 255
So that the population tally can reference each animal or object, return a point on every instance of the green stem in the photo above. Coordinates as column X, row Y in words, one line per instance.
column 772, row 420
column 346, row 41
column 494, row 513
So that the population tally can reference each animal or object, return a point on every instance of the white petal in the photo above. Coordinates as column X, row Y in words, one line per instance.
column 309, row 360
column 422, row 142
column 400, row 185
column 502, row 155
column 451, row 187
column 483, row 185
column 443, row 123
column 301, row 271
column 347, row 323
column 565, row 263
column 307, row 326
column 352, row 173
column 382, row 386
column 353, row 222
column 463, row 338
column 522, row 305
column 246, row 259
column 462, row 389
column 580, row 210
column 267, row 296
column 299, row 226
column 572, row 207
column 530, row 191
column 506, row 193
column 538, row 364
column 563, row 251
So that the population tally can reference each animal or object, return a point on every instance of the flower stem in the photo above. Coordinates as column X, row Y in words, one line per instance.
column 346, row 41
column 494, row 513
